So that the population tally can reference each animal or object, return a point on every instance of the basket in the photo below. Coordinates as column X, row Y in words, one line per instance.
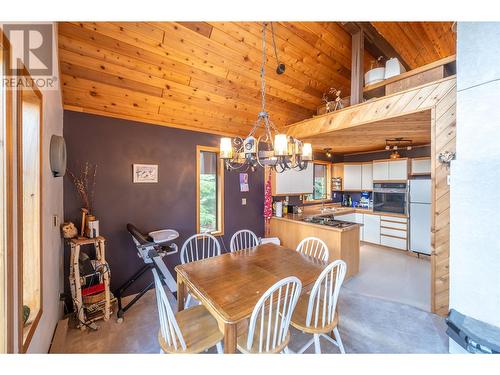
column 94, row 298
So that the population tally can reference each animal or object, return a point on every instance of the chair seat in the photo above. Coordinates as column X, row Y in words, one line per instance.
column 199, row 329
column 242, row 342
column 300, row 314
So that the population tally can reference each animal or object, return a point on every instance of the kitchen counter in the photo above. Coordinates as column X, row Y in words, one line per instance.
column 337, row 209
column 343, row 243
column 300, row 217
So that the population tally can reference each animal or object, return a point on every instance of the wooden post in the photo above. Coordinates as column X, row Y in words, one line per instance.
column 357, row 67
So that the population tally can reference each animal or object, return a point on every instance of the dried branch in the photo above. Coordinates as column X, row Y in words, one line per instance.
column 85, row 184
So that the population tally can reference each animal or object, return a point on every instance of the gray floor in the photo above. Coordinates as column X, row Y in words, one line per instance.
column 367, row 325
column 392, row 275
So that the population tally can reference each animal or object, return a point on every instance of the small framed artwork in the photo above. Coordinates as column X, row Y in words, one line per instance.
column 145, row 173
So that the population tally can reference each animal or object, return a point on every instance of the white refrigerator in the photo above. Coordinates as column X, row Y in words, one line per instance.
column 420, row 216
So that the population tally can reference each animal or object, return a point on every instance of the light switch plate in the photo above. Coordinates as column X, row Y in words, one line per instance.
column 243, row 201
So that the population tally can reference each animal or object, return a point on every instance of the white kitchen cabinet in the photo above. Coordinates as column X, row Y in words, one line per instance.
column 380, row 170
column 353, row 218
column 367, row 176
column 398, row 170
column 352, row 177
column 371, row 228
column 398, row 243
column 421, row 166
column 292, row 182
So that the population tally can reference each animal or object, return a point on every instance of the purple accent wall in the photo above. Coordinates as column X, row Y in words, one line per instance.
column 114, row 145
column 415, row 152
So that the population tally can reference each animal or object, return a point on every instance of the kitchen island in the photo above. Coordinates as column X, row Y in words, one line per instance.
column 342, row 240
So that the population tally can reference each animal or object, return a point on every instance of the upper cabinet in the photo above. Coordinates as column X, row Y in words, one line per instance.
column 390, row 170
column 421, row 166
column 292, row 182
column 366, row 176
column 352, row 177
column 380, row 170
column 358, row 177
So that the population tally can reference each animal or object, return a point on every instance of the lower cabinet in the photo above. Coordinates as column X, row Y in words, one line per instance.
column 371, row 228
column 353, row 218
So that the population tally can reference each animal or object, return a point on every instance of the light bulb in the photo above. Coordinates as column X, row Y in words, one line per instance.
column 226, row 148
column 307, row 151
column 280, row 145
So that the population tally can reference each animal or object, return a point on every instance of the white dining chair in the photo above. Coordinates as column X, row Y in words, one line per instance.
column 268, row 331
column 243, row 239
column 316, row 312
column 314, row 247
column 193, row 330
column 199, row 246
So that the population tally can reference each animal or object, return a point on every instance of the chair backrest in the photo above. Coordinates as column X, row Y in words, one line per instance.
column 324, row 295
column 314, row 247
column 243, row 239
column 199, row 246
column 272, row 314
column 170, row 330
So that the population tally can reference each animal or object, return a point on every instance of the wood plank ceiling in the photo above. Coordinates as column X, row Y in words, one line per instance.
column 205, row 76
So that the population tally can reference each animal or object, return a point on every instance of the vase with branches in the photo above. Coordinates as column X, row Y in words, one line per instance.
column 85, row 184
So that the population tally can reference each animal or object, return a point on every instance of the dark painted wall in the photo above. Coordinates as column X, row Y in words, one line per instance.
column 415, row 152
column 114, row 145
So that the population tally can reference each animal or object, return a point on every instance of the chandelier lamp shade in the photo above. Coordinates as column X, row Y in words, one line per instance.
column 265, row 145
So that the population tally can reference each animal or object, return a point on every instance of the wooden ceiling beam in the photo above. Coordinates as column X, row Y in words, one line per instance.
column 375, row 43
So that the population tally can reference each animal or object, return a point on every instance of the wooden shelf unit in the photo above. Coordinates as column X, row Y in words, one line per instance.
column 101, row 312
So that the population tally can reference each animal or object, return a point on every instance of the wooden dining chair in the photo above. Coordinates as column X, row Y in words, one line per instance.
column 316, row 313
column 268, row 330
column 193, row 330
column 314, row 247
column 243, row 239
column 199, row 246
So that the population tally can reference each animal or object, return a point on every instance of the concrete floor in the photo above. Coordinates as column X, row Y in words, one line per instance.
column 367, row 325
column 393, row 275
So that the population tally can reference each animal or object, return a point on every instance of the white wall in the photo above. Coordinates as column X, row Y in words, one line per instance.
column 52, row 204
column 475, row 184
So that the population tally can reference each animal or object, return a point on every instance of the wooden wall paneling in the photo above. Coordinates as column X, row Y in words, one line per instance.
column 357, row 74
column 443, row 139
column 419, row 43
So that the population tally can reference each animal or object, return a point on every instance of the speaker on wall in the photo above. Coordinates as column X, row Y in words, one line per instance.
column 57, row 155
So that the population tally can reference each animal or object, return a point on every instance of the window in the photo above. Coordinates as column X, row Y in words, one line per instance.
column 321, row 182
column 29, row 203
column 209, row 191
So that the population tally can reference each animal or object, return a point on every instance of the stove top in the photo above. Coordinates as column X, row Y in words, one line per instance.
column 328, row 220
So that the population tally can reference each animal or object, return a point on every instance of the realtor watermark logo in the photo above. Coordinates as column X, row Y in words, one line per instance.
column 31, row 47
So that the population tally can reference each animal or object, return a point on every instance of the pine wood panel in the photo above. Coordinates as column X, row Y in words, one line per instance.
column 443, row 139
column 207, row 68
column 419, row 43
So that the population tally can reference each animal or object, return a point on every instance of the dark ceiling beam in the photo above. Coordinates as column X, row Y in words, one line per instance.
column 375, row 43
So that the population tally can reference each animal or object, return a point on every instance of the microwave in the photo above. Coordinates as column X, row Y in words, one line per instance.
column 390, row 197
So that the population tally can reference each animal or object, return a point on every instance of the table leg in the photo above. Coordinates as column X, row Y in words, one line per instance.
column 230, row 338
column 181, row 293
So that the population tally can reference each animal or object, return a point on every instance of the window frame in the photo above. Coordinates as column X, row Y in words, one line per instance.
column 23, row 345
column 328, row 177
column 9, row 205
column 220, row 189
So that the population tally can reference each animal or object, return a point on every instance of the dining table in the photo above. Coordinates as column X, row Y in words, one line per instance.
column 230, row 285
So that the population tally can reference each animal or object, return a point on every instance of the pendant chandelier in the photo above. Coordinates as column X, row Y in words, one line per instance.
column 271, row 148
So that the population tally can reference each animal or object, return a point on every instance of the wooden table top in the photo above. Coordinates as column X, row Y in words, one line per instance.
column 232, row 283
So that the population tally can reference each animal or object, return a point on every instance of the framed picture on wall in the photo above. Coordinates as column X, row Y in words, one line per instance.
column 145, row 173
